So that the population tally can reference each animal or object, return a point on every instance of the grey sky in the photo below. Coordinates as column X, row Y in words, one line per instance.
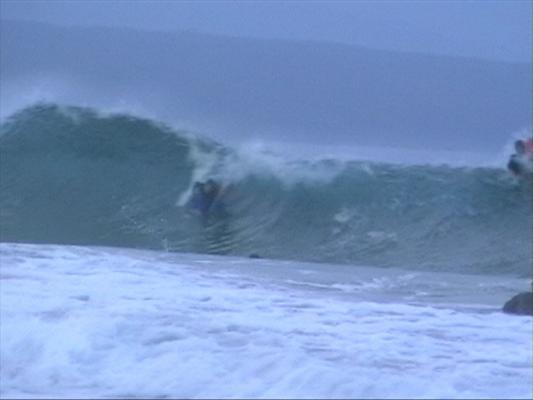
column 498, row 30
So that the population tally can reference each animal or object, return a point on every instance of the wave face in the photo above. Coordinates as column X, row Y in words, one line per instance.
column 74, row 176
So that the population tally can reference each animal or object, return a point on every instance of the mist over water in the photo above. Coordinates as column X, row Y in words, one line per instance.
column 237, row 89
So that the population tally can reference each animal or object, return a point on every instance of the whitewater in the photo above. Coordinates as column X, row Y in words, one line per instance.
column 375, row 279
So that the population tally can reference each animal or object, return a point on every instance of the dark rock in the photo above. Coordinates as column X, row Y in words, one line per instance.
column 254, row 255
column 521, row 304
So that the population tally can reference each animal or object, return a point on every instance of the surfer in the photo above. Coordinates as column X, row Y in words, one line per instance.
column 521, row 159
column 206, row 198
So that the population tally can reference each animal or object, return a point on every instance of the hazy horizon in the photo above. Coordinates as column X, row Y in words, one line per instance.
column 442, row 75
column 236, row 89
column 493, row 30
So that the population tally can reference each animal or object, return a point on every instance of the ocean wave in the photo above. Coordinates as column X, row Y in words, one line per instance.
column 72, row 175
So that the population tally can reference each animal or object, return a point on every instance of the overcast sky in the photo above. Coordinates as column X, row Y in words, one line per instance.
column 496, row 29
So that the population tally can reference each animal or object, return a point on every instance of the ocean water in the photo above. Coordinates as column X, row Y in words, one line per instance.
column 376, row 279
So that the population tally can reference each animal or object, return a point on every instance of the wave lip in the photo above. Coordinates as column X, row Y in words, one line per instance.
column 72, row 175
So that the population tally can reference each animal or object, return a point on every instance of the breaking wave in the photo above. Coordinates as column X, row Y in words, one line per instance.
column 72, row 175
